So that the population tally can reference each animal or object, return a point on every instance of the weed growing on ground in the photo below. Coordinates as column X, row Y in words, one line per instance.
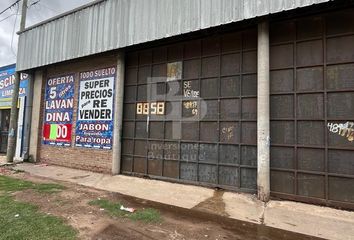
column 24, row 221
column 8, row 184
column 48, row 187
column 113, row 209
column 147, row 215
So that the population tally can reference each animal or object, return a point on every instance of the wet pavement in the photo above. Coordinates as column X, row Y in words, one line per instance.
column 235, row 229
column 113, row 232
column 244, row 214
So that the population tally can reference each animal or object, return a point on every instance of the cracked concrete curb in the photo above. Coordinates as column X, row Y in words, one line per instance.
column 263, row 213
column 317, row 221
column 245, row 207
column 309, row 219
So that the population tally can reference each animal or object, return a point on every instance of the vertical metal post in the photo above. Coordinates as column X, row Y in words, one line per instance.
column 28, row 117
column 11, row 145
column 263, row 109
column 118, row 114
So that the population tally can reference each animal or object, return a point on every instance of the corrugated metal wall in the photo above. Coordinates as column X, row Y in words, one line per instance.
column 114, row 24
column 207, row 133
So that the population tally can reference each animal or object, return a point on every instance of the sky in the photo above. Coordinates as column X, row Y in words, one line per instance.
column 10, row 22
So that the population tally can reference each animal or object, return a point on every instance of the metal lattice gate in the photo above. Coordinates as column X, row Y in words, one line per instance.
column 312, row 109
column 190, row 111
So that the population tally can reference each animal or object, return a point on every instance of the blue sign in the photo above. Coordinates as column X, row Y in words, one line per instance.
column 7, row 81
column 58, row 115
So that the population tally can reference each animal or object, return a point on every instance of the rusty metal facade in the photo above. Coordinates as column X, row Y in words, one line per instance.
column 208, row 133
column 113, row 24
column 312, row 110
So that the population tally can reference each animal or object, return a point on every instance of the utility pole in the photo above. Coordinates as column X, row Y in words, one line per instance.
column 11, row 144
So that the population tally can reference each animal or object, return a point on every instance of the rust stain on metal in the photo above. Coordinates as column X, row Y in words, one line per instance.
column 174, row 71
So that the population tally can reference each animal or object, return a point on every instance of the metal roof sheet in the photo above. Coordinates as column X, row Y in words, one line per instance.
column 112, row 24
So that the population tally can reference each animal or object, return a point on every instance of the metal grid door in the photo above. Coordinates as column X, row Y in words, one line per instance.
column 216, row 149
column 312, row 109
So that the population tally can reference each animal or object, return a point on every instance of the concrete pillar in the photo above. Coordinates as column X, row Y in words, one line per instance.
column 36, row 114
column 118, row 114
column 12, row 137
column 263, row 106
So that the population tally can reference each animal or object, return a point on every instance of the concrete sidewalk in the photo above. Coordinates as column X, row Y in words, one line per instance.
column 3, row 161
column 297, row 217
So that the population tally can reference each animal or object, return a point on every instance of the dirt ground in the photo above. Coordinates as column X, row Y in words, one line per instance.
column 177, row 224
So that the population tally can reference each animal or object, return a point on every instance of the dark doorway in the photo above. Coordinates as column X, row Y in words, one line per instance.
column 4, row 129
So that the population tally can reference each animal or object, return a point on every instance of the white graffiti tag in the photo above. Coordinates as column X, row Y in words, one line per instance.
column 343, row 129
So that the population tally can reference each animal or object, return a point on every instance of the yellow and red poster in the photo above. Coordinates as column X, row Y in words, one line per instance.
column 58, row 115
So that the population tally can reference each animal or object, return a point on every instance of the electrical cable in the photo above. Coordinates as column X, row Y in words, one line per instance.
column 11, row 6
column 7, row 17
column 34, row 3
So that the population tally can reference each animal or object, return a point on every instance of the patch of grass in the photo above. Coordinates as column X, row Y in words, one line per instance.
column 23, row 221
column 111, row 208
column 147, row 215
column 8, row 184
column 49, row 187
